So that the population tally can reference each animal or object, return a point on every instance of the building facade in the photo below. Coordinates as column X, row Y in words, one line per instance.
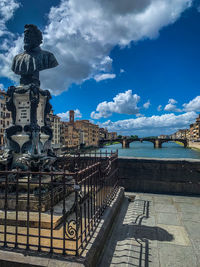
column 181, row 134
column 195, row 130
column 163, row 136
column 192, row 134
column 103, row 134
column 90, row 132
column 56, row 128
column 5, row 116
column 112, row 135
column 70, row 136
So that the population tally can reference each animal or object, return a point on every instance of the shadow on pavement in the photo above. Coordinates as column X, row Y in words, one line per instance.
column 129, row 242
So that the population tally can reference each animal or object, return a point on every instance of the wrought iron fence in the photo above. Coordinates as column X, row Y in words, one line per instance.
column 57, row 211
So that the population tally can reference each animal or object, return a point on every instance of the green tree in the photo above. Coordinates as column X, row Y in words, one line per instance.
column 134, row 136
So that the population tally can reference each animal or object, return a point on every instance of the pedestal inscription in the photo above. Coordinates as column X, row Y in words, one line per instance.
column 22, row 104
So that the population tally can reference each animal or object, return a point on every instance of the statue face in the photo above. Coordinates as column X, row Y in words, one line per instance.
column 30, row 39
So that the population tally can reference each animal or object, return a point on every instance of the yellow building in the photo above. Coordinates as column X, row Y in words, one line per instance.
column 103, row 134
column 77, row 133
column 5, row 116
column 181, row 134
column 70, row 136
column 90, row 132
column 112, row 135
column 188, row 134
column 195, row 129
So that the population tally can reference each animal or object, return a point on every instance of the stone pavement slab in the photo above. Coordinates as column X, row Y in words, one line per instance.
column 168, row 218
column 176, row 256
column 155, row 230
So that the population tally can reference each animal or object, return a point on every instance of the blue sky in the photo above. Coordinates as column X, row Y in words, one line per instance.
column 130, row 66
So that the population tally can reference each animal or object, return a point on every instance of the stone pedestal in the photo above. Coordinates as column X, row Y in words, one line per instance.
column 30, row 133
column 26, row 106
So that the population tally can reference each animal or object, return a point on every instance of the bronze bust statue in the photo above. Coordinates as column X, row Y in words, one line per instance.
column 33, row 59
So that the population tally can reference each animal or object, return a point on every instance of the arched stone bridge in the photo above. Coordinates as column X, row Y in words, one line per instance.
column 157, row 142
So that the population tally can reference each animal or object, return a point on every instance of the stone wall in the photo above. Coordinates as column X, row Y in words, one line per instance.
column 194, row 145
column 160, row 175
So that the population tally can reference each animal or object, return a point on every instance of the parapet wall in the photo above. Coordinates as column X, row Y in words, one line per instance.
column 180, row 176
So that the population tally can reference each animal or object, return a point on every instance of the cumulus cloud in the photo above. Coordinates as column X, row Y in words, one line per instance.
column 139, row 115
column 7, row 9
column 147, row 104
column 2, row 86
column 166, row 123
column 11, row 43
column 81, row 34
column 123, row 103
column 105, row 76
column 193, row 105
column 159, row 108
column 65, row 115
column 171, row 106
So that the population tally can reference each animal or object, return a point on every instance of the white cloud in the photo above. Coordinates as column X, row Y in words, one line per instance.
column 81, row 34
column 172, row 101
column 7, row 9
column 105, row 76
column 139, row 115
column 167, row 123
column 6, row 59
column 193, row 105
column 10, row 43
column 171, row 106
column 123, row 103
column 122, row 70
column 65, row 115
column 147, row 104
column 2, row 86
column 159, row 108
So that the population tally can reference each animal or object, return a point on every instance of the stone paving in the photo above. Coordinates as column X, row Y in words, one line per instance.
column 155, row 231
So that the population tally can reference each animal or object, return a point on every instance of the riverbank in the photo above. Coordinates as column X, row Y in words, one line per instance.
column 111, row 143
column 194, row 145
column 179, row 143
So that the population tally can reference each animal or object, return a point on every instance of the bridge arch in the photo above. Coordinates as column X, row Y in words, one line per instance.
column 156, row 142
column 183, row 141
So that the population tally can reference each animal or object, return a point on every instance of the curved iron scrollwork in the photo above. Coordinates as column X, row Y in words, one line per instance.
column 71, row 229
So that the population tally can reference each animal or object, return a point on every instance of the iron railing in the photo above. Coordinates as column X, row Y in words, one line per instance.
column 57, row 211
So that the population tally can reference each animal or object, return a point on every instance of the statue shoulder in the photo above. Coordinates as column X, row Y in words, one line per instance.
column 19, row 56
column 48, row 56
column 15, row 63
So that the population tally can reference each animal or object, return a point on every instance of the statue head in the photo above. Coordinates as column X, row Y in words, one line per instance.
column 32, row 37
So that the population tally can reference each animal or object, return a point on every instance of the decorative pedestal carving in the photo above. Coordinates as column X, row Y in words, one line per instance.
column 30, row 133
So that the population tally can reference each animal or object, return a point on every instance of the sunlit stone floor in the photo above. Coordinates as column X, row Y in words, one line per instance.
column 155, row 230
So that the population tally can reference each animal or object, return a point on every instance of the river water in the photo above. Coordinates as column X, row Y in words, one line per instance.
column 147, row 150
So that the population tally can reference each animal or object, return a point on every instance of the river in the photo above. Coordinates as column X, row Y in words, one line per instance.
column 146, row 150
